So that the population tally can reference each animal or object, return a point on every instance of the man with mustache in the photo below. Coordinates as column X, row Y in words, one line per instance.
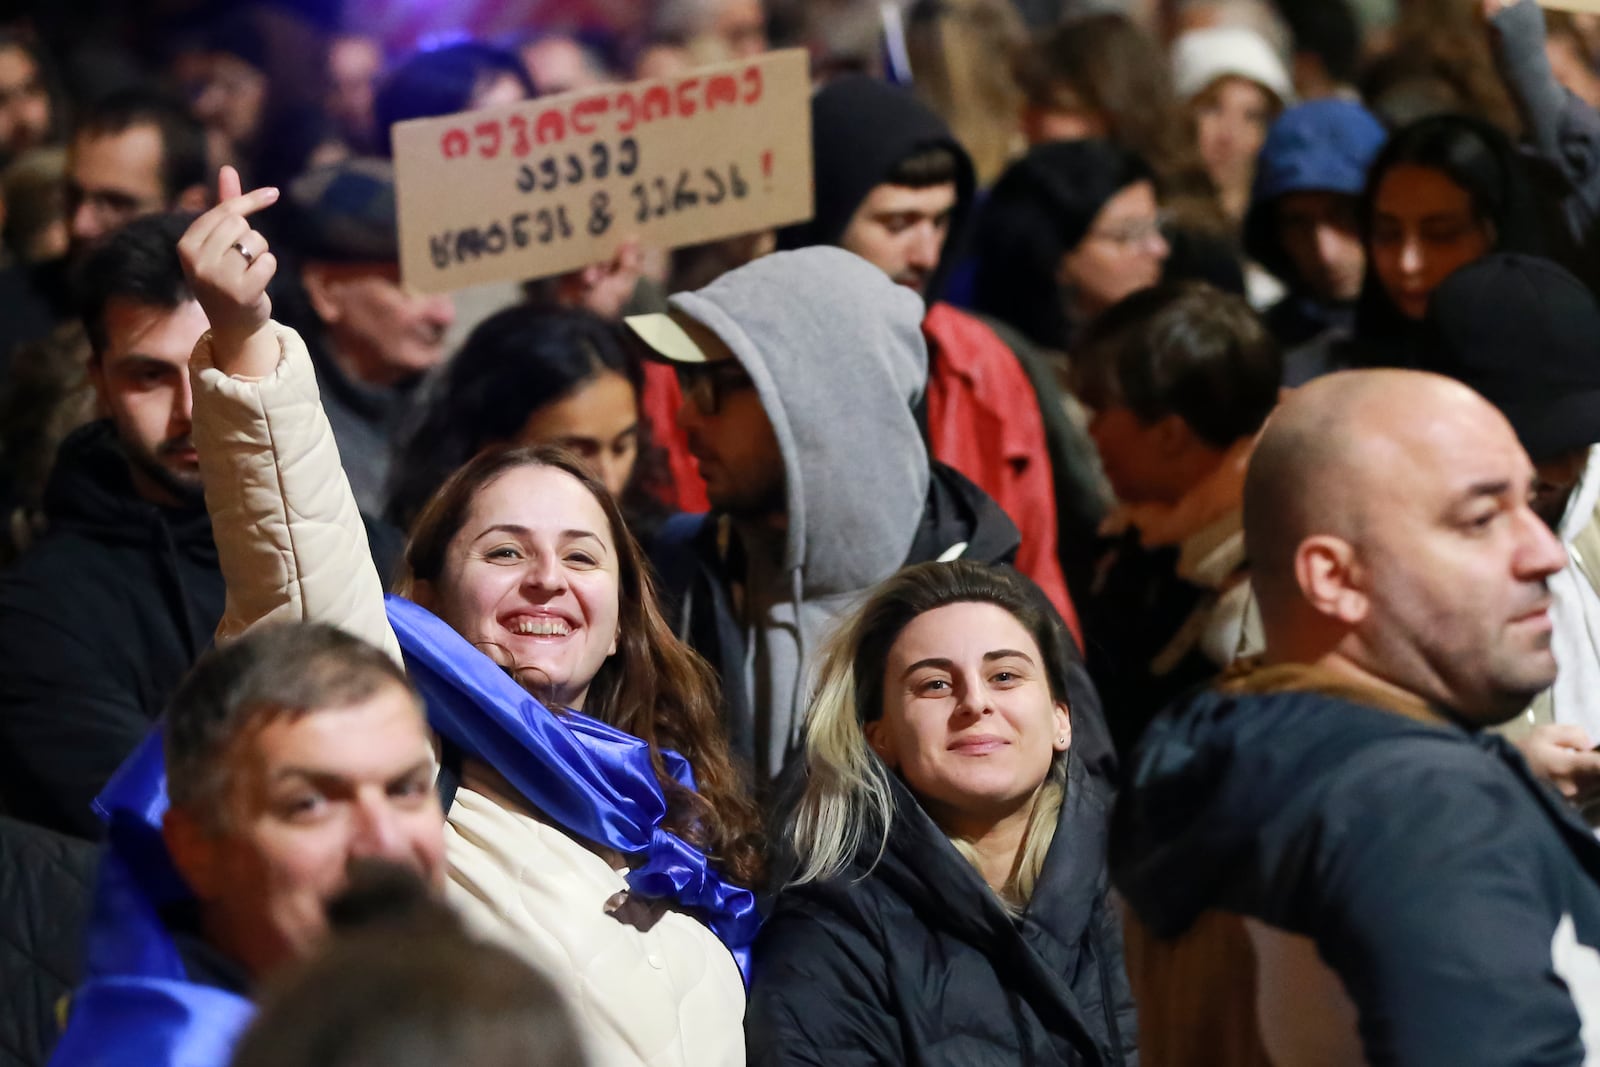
column 1414, row 893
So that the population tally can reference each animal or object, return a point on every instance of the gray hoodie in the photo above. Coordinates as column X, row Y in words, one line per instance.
column 836, row 352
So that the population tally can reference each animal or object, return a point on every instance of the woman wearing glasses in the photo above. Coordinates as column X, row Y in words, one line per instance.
column 1069, row 230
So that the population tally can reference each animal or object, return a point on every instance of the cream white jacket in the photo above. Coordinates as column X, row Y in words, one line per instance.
column 293, row 547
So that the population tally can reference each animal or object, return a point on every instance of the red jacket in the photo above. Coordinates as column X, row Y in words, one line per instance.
column 983, row 420
column 659, row 409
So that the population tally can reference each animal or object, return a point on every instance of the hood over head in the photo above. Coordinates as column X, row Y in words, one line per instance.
column 1037, row 212
column 861, row 128
column 1323, row 146
column 836, row 353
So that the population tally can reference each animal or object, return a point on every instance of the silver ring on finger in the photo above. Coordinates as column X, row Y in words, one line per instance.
column 249, row 256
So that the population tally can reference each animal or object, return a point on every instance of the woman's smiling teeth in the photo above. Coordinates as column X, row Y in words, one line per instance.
column 546, row 627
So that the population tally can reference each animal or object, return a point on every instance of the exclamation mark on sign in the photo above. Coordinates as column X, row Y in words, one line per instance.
column 766, row 168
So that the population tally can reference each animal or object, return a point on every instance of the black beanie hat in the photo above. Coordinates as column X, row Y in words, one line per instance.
column 861, row 129
column 1525, row 333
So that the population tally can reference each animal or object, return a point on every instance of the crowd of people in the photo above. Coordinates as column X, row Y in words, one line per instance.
column 1118, row 583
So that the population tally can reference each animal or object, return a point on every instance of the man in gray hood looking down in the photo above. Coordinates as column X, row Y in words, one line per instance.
column 802, row 373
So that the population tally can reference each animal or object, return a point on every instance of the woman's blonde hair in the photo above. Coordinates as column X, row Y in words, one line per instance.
column 848, row 803
column 961, row 55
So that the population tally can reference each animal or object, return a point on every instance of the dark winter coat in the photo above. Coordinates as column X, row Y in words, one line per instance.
column 1431, row 868
column 45, row 886
column 98, row 622
column 911, row 959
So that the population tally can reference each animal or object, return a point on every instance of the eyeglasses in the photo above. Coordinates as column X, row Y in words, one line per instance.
column 1132, row 233
column 707, row 385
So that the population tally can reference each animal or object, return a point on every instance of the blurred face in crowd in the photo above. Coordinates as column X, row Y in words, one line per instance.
column 968, row 718
column 1067, row 117
column 308, row 796
column 1554, row 482
column 741, row 26
column 1122, row 252
column 1143, row 461
column 498, row 89
column 24, row 102
column 661, row 61
column 231, row 98
column 599, row 421
column 1320, row 235
column 382, row 331
column 902, row 231
column 112, row 179
column 141, row 381
column 1231, row 117
column 729, row 433
column 1424, row 227
column 354, row 64
column 559, row 65
column 532, row 578
column 1446, row 587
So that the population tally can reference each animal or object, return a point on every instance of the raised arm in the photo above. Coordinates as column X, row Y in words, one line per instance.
column 1563, row 130
column 289, row 536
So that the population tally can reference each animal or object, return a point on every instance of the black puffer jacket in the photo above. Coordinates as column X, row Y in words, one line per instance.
column 45, row 886
column 912, row 960
column 98, row 622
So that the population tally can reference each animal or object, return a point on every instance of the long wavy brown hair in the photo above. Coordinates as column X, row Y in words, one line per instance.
column 655, row 687
column 1106, row 63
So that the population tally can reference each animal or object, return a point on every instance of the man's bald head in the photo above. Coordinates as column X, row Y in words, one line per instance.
column 1312, row 469
column 1387, row 526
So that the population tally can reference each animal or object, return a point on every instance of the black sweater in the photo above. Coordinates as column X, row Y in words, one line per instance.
column 98, row 622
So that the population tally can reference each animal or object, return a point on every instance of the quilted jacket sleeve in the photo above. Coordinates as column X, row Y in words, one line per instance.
column 289, row 536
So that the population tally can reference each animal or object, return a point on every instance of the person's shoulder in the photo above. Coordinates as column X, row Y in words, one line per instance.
column 852, row 919
column 963, row 339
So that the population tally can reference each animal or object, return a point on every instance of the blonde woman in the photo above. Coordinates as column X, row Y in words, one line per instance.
column 950, row 901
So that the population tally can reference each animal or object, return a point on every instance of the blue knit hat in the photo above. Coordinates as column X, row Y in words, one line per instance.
column 1324, row 146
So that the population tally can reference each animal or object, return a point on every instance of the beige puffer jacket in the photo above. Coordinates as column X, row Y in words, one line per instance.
column 292, row 547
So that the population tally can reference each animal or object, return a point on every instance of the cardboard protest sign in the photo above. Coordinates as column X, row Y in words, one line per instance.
column 545, row 186
column 1588, row 7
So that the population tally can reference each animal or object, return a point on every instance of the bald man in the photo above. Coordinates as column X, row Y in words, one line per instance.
column 1414, row 894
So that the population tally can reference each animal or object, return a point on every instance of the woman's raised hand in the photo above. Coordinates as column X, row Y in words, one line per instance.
column 228, row 266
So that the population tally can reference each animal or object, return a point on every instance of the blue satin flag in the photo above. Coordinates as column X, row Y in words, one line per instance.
column 589, row 778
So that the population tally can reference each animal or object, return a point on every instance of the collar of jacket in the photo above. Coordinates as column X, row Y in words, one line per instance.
column 1253, row 676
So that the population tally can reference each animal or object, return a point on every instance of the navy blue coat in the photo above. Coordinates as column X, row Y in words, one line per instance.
column 1427, row 863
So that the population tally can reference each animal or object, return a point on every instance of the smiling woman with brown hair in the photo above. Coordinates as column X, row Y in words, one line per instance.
column 595, row 823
